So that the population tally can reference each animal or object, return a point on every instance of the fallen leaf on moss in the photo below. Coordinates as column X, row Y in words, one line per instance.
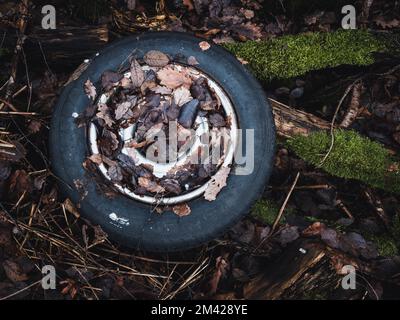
column 181, row 209
column 217, row 182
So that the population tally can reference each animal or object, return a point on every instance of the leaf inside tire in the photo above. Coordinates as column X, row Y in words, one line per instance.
column 217, row 182
column 137, row 74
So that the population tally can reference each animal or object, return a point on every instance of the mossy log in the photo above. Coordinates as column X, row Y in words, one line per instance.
column 351, row 157
column 294, row 55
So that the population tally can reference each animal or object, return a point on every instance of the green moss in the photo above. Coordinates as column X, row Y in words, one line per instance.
column 266, row 211
column 294, row 55
column 352, row 157
column 386, row 245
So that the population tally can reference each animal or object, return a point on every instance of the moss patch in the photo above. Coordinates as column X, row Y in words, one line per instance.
column 385, row 245
column 266, row 211
column 291, row 56
column 352, row 157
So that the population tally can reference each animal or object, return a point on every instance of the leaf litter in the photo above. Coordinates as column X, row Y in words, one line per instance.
column 149, row 95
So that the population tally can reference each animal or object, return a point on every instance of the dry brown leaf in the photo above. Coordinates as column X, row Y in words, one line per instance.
column 150, row 185
column 386, row 24
column 137, row 74
column 192, row 61
column 70, row 207
column 122, row 110
column 125, row 82
column 242, row 61
column 173, row 78
column 249, row 14
column 161, row 90
column 156, row 58
column 14, row 272
column 181, row 209
column 181, row 96
column 217, row 182
column 212, row 32
column 96, row 158
column 204, row 45
column 188, row 4
column 137, row 145
column 34, row 126
column 314, row 230
column 104, row 113
column 115, row 173
column 221, row 267
column 90, row 89
column 153, row 131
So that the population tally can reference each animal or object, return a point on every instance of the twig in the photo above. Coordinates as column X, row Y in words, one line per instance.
column 354, row 108
column 22, row 290
column 8, row 104
column 341, row 205
column 377, row 204
column 18, row 113
column 282, row 209
column 334, row 119
column 19, row 91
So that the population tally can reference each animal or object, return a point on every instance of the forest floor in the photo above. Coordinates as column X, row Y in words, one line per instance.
column 321, row 222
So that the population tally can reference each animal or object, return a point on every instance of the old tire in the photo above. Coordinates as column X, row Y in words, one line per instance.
column 138, row 227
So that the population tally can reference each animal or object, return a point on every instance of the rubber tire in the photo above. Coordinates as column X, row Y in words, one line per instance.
column 141, row 228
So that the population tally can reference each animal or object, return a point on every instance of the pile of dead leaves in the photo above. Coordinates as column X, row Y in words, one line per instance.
column 153, row 97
